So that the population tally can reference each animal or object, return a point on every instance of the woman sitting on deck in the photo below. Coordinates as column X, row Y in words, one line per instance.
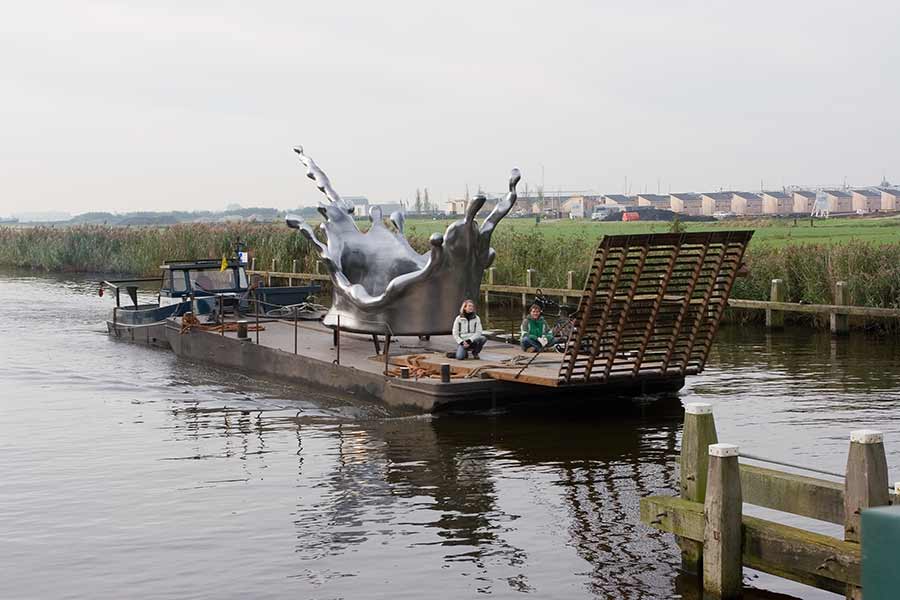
column 467, row 332
column 535, row 332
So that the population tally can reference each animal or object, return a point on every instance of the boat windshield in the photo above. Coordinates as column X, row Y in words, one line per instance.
column 175, row 281
column 242, row 278
column 212, row 279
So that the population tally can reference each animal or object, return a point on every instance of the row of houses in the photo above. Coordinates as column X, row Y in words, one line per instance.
column 581, row 205
column 777, row 202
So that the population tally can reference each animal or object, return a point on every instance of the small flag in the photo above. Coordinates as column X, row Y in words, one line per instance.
column 224, row 263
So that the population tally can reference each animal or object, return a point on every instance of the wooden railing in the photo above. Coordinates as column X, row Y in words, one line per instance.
column 775, row 308
column 718, row 540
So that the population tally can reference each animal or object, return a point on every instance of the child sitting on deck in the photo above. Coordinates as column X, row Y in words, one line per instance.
column 467, row 332
column 535, row 333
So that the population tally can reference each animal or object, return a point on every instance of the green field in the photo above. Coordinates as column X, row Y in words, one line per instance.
column 777, row 232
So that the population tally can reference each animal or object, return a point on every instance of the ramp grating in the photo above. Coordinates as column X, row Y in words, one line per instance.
column 651, row 305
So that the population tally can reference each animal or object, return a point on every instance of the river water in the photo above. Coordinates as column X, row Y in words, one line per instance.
column 129, row 473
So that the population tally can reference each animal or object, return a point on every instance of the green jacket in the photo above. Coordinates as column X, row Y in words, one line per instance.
column 535, row 328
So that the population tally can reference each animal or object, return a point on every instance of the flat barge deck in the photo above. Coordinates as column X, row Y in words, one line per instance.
column 361, row 371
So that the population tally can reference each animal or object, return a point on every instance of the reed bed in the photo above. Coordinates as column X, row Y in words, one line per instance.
column 871, row 269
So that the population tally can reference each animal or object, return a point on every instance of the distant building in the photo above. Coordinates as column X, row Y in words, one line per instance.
column 776, row 203
column 866, row 200
column 746, row 203
column 655, row 200
column 686, row 203
column 715, row 202
column 360, row 205
column 619, row 200
column 838, row 201
column 579, row 207
column 389, row 207
column 890, row 199
column 803, row 201
column 457, row 206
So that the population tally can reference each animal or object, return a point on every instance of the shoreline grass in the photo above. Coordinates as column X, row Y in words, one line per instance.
column 863, row 252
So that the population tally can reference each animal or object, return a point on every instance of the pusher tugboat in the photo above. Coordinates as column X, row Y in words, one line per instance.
column 205, row 287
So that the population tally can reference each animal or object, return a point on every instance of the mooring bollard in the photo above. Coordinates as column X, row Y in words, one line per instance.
column 866, row 481
column 722, row 565
column 404, row 372
column 699, row 433
column 865, row 485
column 775, row 318
column 840, row 324
column 242, row 330
column 445, row 372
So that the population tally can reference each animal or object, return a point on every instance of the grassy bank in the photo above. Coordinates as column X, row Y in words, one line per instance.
column 865, row 253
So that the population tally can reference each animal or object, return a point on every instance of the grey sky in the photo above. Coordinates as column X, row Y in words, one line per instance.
column 161, row 105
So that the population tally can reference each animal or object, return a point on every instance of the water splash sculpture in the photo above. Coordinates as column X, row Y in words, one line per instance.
column 382, row 285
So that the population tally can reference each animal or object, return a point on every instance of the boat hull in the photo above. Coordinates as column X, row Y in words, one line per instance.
column 153, row 334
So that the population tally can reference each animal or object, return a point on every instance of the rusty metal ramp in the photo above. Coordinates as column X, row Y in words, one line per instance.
column 650, row 307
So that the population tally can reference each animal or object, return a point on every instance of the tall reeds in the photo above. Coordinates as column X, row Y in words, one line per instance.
column 872, row 270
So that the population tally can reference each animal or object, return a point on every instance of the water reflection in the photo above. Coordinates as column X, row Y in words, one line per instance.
column 181, row 468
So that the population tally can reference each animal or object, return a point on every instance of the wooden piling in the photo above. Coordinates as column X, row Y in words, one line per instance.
column 722, row 563
column 840, row 324
column 775, row 318
column 865, row 485
column 570, row 284
column 293, row 270
column 529, row 282
column 866, row 481
column 490, row 278
column 699, row 433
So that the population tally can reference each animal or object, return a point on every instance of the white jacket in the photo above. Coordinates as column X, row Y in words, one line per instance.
column 465, row 329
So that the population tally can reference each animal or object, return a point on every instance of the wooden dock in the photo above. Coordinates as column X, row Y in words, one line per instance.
column 717, row 540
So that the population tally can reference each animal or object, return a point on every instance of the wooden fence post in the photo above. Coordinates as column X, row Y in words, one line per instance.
column 840, row 324
column 570, row 284
column 529, row 282
column 487, row 294
column 253, row 264
column 865, row 485
column 775, row 318
column 293, row 270
column 722, row 565
column 699, row 432
column 318, row 266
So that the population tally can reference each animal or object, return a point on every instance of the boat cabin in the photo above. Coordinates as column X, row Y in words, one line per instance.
column 202, row 278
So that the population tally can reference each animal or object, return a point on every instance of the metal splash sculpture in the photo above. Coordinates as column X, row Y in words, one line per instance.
column 381, row 284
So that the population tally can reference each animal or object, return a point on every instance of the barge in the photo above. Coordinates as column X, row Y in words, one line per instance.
column 645, row 320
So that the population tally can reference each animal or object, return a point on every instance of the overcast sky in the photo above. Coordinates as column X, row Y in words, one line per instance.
column 161, row 105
